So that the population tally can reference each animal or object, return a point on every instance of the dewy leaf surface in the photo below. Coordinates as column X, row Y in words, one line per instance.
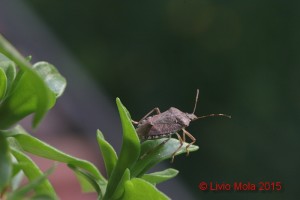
column 53, row 79
column 21, row 103
column 44, row 96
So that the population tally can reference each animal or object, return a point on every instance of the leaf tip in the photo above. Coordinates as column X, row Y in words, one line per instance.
column 100, row 134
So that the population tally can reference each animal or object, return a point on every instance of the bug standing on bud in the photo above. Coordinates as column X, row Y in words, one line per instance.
column 167, row 123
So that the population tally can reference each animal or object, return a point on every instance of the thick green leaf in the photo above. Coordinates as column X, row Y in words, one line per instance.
column 9, row 69
column 155, row 151
column 34, row 184
column 44, row 97
column 17, row 178
column 28, row 58
column 5, row 163
column 53, row 79
column 85, row 184
column 129, row 152
column 33, row 145
column 33, row 173
column 88, row 182
column 3, row 84
column 158, row 177
column 138, row 188
column 41, row 197
column 108, row 153
column 22, row 102
column 121, row 186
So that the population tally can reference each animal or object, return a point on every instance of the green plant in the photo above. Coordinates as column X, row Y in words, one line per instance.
column 33, row 89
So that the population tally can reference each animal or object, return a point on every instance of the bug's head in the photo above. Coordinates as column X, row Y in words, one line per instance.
column 193, row 117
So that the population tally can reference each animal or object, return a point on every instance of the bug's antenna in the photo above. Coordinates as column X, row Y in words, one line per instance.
column 196, row 101
column 214, row 115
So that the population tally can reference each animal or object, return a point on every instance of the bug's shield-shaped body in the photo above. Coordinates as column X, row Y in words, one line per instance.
column 164, row 124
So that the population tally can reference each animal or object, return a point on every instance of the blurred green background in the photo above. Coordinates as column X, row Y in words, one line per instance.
column 242, row 55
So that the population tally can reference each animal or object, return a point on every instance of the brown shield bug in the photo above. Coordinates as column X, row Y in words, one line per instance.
column 167, row 123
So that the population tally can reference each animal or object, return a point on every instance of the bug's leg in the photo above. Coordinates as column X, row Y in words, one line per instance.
column 185, row 132
column 134, row 122
column 156, row 147
column 183, row 136
column 181, row 143
column 149, row 113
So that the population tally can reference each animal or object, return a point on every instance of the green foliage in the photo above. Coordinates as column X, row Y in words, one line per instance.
column 128, row 179
column 25, row 142
column 37, row 181
column 5, row 164
column 108, row 153
column 24, row 90
column 30, row 90
column 138, row 188
column 158, row 177
column 129, row 153
column 33, row 89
